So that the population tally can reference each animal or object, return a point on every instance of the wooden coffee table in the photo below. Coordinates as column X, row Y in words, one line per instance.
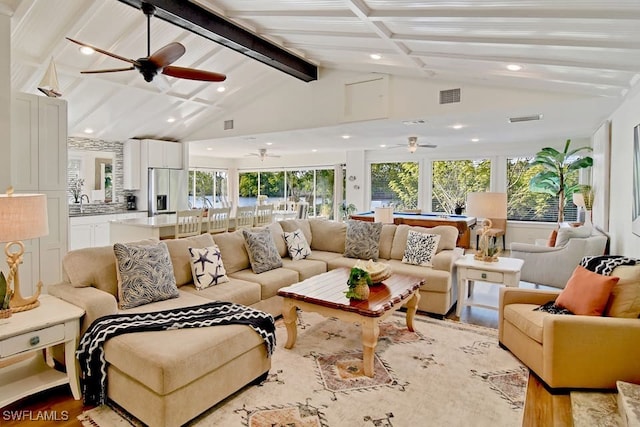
column 324, row 294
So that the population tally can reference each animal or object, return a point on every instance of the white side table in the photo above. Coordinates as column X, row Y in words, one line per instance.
column 53, row 322
column 506, row 272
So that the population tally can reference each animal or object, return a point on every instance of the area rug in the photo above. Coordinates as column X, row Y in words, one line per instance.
column 444, row 373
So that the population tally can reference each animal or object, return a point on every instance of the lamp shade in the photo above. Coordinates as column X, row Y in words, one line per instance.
column 383, row 215
column 578, row 200
column 23, row 217
column 487, row 205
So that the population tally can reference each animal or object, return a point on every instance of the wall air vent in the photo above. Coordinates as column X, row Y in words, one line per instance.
column 525, row 118
column 449, row 96
column 228, row 124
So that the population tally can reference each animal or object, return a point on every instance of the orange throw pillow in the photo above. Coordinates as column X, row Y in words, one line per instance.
column 586, row 292
column 552, row 238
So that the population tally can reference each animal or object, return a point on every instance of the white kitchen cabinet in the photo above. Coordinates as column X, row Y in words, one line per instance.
column 89, row 231
column 164, row 154
column 131, row 165
column 39, row 151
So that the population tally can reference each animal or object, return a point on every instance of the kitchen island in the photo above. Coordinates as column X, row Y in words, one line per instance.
column 151, row 227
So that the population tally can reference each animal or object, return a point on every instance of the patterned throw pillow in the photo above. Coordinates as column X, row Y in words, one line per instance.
column 363, row 239
column 206, row 267
column 421, row 248
column 263, row 253
column 145, row 274
column 297, row 244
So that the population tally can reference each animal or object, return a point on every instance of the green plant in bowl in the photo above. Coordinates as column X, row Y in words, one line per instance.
column 358, row 283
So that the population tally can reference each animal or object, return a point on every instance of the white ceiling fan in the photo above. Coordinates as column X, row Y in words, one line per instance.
column 262, row 154
column 413, row 145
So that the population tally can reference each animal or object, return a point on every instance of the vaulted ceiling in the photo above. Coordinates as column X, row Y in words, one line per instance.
column 579, row 50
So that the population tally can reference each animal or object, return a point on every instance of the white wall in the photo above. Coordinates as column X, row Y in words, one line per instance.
column 623, row 120
column 5, row 96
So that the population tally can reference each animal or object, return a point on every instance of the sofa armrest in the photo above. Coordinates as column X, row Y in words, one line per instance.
column 591, row 350
column 94, row 302
column 526, row 296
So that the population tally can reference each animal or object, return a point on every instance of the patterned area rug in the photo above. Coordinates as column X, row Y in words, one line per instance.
column 446, row 373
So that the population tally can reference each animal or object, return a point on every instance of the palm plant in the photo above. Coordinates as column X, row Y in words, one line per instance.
column 556, row 166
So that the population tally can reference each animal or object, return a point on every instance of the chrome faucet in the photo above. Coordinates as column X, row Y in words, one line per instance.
column 82, row 196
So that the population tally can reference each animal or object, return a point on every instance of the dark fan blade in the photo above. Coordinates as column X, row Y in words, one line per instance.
column 112, row 70
column 428, row 145
column 167, row 55
column 193, row 74
column 97, row 49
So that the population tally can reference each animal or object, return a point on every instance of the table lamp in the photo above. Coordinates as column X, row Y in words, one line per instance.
column 383, row 214
column 486, row 205
column 22, row 217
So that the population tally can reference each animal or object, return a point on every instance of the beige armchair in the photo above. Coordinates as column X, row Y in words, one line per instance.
column 552, row 266
column 567, row 351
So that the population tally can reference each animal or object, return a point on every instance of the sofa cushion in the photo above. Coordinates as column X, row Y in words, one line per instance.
column 95, row 267
column 234, row 254
column 235, row 290
column 421, row 248
column 206, row 267
column 448, row 237
column 386, row 240
column 624, row 300
column 324, row 256
column 362, row 240
column 305, row 267
column 297, row 245
column 262, row 250
column 434, row 280
column 526, row 319
column 270, row 281
column 566, row 233
column 290, row 225
column 180, row 258
column 327, row 235
column 145, row 274
column 278, row 238
column 586, row 292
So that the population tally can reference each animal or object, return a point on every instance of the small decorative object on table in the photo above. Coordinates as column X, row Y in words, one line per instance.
column 75, row 188
column 358, row 282
column 378, row 271
column 488, row 251
column 5, row 297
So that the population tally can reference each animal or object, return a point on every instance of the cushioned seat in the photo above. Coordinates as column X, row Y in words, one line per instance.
column 305, row 267
column 235, row 290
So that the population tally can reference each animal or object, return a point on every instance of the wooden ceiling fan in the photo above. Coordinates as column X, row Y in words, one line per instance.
column 158, row 62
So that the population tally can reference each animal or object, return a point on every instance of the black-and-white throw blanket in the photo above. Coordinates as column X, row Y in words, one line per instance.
column 601, row 264
column 90, row 352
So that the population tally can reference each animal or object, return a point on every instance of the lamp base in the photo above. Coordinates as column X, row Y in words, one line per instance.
column 25, row 307
column 485, row 258
column 18, row 302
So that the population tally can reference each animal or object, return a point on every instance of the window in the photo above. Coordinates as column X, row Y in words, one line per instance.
column 453, row 179
column 524, row 205
column 208, row 188
column 395, row 183
column 314, row 186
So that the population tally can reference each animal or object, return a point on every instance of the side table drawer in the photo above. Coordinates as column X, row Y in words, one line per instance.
column 34, row 339
column 489, row 276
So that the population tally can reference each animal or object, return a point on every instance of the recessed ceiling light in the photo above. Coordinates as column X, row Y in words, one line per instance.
column 88, row 130
column 514, row 67
column 314, row 150
column 346, row 136
column 269, row 143
column 209, row 148
column 221, row 89
column 475, row 139
column 86, row 50
column 375, row 56
column 457, row 126
column 171, row 119
column 383, row 145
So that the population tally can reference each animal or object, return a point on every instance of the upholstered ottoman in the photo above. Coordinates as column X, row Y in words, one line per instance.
column 166, row 378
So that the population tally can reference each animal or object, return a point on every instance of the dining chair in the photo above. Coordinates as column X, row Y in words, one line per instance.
column 264, row 215
column 303, row 210
column 188, row 223
column 218, row 220
column 244, row 216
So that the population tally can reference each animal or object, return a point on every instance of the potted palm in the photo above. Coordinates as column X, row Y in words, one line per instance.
column 556, row 166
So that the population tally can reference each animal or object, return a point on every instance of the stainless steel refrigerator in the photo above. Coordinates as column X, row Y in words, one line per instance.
column 167, row 191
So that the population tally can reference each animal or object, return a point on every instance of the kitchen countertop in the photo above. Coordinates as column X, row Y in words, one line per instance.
column 120, row 211
column 157, row 221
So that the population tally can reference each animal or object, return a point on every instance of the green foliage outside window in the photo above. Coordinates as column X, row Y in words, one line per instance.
column 453, row 179
column 395, row 183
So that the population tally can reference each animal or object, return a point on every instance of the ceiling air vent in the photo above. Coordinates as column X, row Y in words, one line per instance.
column 449, row 96
column 228, row 124
column 525, row 118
